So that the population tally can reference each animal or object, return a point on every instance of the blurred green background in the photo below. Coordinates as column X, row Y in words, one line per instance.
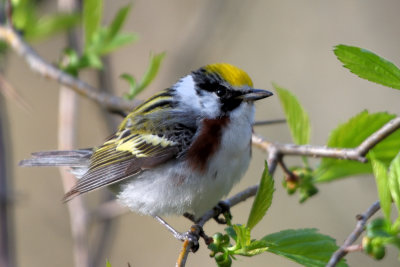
column 282, row 41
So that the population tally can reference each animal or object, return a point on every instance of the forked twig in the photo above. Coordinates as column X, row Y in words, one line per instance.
column 361, row 221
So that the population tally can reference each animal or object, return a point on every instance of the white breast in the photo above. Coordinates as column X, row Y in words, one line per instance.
column 174, row 188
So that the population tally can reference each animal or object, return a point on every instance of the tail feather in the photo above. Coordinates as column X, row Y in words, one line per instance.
column 71, row 158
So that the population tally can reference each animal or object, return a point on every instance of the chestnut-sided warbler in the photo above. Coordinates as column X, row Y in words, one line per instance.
column 178, row 152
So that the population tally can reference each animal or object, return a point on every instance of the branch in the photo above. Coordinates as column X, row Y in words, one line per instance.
column 6, row 212
column 39, row 65
column 67, row 125
column 346, row 247
column 357, row 153
column 269, row 122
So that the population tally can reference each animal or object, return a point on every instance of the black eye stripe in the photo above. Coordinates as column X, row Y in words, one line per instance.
column 207, row 81
column 209, row 86
column 213, row 83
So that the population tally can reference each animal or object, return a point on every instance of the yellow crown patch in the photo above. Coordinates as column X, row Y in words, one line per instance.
column 233, row 75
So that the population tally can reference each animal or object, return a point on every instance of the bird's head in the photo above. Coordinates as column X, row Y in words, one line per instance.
column 216, row 90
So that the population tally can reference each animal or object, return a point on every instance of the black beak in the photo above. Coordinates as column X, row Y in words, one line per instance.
column 255, row 94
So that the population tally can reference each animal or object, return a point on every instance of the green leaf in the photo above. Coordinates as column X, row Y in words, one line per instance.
column 243, row 238
column 119, row 40
column 130, row 79
column 244, row 245
column 223, row 260
column 231, row 232
column 70, row 62
column 254, row 248
column 108, row 264
column 152, row 70
column 368, row 65
column 350, row 135
column 379, row 227
column 304, row 246
column 91, row 60
column 381, row 178
column 51, row 24
column 263, row 199
column 394, row 181
column 296, row 116
column 92, row 14
column 118, row 22
column 24, row 15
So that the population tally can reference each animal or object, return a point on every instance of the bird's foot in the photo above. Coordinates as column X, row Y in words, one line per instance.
column 222, row 208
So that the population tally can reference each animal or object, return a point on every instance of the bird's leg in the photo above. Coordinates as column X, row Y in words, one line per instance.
column 193, row 235
column 222, row 208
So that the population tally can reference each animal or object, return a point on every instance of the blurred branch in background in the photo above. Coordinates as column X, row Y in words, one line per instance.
column 6, row 215
column 105, row 231
column 67, row 127
column 39, row 65
column 7, row 257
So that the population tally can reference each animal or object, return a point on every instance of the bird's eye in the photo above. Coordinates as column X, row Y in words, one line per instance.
column 221, row 91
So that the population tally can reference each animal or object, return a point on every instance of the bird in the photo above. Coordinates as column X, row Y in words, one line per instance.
column 179, row 152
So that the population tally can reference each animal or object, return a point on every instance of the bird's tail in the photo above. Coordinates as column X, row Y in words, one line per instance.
column 72, row 158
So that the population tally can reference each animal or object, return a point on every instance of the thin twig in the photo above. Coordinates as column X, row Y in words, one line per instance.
column 11, row 94
column 361, row 221
column 47, row 70
column 378, row 136
column 289, row 175
column 269, row 122
column 354, row 248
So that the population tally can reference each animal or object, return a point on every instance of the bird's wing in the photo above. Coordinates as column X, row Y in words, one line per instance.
column 121, row 157
column 136, row 146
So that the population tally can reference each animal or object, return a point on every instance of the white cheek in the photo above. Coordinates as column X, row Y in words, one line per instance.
column 211, row 105
column 185, row 89
column 207, row 104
